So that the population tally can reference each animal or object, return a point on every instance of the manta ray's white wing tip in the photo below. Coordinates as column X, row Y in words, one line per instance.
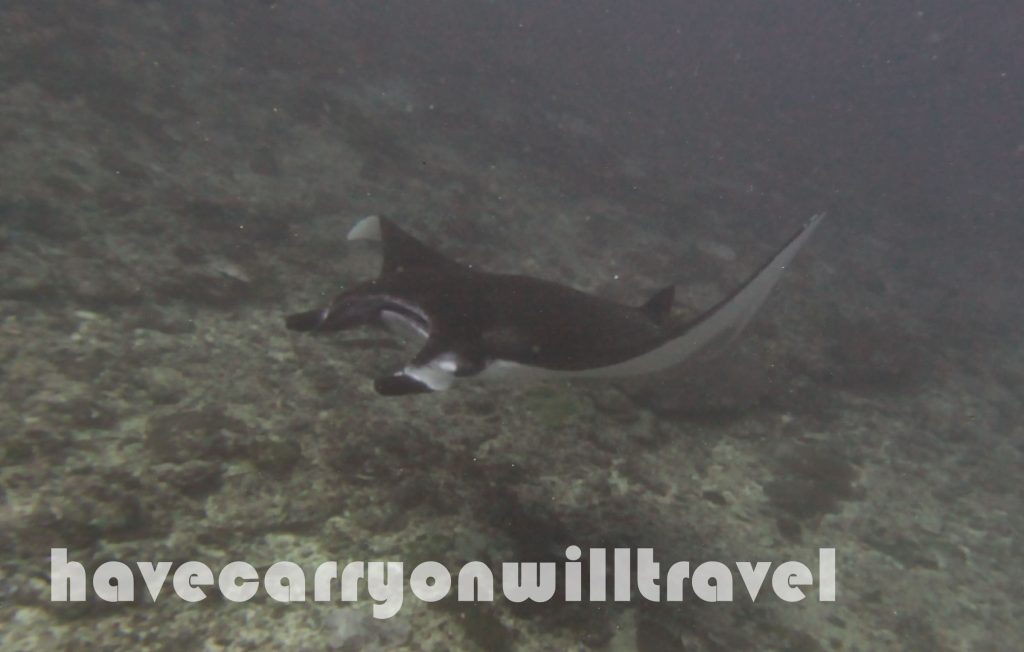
column 367, row 228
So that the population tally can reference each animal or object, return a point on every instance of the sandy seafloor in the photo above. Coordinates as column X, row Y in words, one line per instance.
column 163, row 206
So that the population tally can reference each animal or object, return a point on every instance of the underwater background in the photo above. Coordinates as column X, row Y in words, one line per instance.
column 177, row 176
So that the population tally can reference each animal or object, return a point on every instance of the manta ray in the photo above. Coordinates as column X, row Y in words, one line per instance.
column 482, row 325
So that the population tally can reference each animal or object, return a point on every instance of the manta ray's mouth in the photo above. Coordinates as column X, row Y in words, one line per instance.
column 405, row 319
column 394, row 313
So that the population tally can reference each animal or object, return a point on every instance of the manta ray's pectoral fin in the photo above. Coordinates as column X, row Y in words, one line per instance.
column 659, row 306
column 434, row 369
column 400, row 250
column 400, row 384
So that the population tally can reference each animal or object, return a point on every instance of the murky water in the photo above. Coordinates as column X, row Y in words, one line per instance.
column 178, row 177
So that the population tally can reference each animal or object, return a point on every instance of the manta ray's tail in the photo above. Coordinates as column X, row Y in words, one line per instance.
column 722, row 322
column 733, row 313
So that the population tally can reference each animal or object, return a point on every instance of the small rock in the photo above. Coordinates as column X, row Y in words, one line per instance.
column 207, row 433
column 354, row 629
column 194, row 478
column 275, row 455
column 714, row 497
column 165, row 385
column 616, row 405
column 105, row 285
column 89, row 415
